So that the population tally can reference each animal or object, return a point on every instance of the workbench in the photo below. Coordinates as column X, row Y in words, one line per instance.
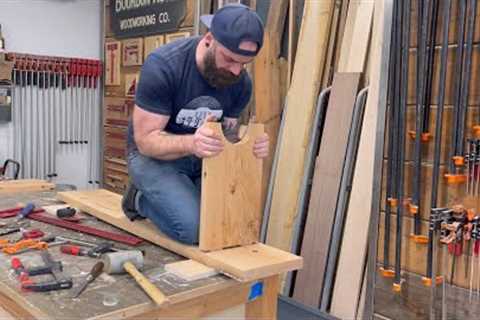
column 119, row 296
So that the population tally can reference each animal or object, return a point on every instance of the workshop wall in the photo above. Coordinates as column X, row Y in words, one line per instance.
column 70, row 28
column 414, row 254
column 124, row 58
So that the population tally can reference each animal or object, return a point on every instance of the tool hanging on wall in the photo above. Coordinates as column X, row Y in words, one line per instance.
column 405, row 41
column 391, row 202
column 432, row 32
column 432, row 232
column 415, row 206
column 56, row 100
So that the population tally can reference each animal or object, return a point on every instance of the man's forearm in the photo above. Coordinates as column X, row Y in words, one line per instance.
column 165, row 146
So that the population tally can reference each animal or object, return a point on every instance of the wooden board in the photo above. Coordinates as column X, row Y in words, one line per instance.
column 151, row 43
column 347, row 288
column 14, row 186
column 230, row 212
column 268, row 98
column 356, row 36
column 243, row 263
column 190, row 270
column 325, row 187
column 112, row 63
column 301, row 100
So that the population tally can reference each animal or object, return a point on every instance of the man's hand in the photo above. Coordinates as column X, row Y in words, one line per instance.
column 261, row 146
column 205, row 142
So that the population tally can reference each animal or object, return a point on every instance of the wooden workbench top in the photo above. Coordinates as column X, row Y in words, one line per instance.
column 126, row 297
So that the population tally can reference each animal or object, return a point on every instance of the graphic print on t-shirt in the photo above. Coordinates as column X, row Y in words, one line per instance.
column 196, row 111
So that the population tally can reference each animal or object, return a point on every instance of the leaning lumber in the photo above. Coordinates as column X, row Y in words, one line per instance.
column 325, row 188
column 301, row 100
column 367, row 176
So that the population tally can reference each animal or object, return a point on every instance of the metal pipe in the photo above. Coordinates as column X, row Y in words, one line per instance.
column 401, row 153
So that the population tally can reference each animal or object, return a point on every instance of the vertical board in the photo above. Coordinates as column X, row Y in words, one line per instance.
column 350, row 269
column 356, row 36
column 325, row 188
column 301, row 100
column 231, row 193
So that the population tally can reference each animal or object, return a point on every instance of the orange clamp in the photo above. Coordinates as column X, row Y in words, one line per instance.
column 419, row 239
column 392, row 202
column 387, row 273
column 413, row 209
column 426, row 136
column 476, row 130
column 455, row 178
column 458, row 161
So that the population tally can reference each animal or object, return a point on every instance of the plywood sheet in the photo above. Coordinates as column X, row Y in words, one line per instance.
column 242, row 263
column 325, row 187
column 14, row 186
column 301, row 100
column 231, row 210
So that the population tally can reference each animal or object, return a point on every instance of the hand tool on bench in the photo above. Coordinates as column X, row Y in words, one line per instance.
column 53, row 267
column 84, row 243
column 129, row 261
column 93, row 252
column 97, row 269
column 30, row 244
column 127, row 239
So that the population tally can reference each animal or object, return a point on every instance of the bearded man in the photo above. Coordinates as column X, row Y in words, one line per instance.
column 182, row 85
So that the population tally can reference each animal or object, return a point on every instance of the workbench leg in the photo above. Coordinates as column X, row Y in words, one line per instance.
column 265, row 307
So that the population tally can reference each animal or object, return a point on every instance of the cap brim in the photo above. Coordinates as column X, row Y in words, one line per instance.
column 207, row 20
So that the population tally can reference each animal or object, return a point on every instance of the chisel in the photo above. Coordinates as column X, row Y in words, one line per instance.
column 97, row 269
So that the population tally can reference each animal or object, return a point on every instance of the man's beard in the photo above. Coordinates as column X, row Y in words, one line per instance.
column 216, row 77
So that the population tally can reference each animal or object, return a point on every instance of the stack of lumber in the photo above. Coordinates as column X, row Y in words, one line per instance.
column 294, row 218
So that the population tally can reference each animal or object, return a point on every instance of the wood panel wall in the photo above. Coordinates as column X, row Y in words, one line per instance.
column 118, row 99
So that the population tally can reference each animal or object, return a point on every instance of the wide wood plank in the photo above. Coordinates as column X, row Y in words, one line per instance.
column 325, row 188
column 242, row 263
column 356, row 36
column 301, row 100
column 14, row 186
column 367, row 175
column 231, row 193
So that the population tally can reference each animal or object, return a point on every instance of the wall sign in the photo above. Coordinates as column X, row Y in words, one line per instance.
column 130, row 18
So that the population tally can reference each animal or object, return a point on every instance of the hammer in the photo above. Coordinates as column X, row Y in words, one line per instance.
column 129, row 261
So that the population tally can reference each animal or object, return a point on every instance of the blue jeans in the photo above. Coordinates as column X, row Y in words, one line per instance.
column 169, row 194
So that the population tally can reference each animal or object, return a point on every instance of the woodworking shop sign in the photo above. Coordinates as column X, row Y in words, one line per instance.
column 130, row 18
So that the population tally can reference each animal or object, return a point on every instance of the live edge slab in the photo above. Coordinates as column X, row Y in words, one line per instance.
column 245, row 263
